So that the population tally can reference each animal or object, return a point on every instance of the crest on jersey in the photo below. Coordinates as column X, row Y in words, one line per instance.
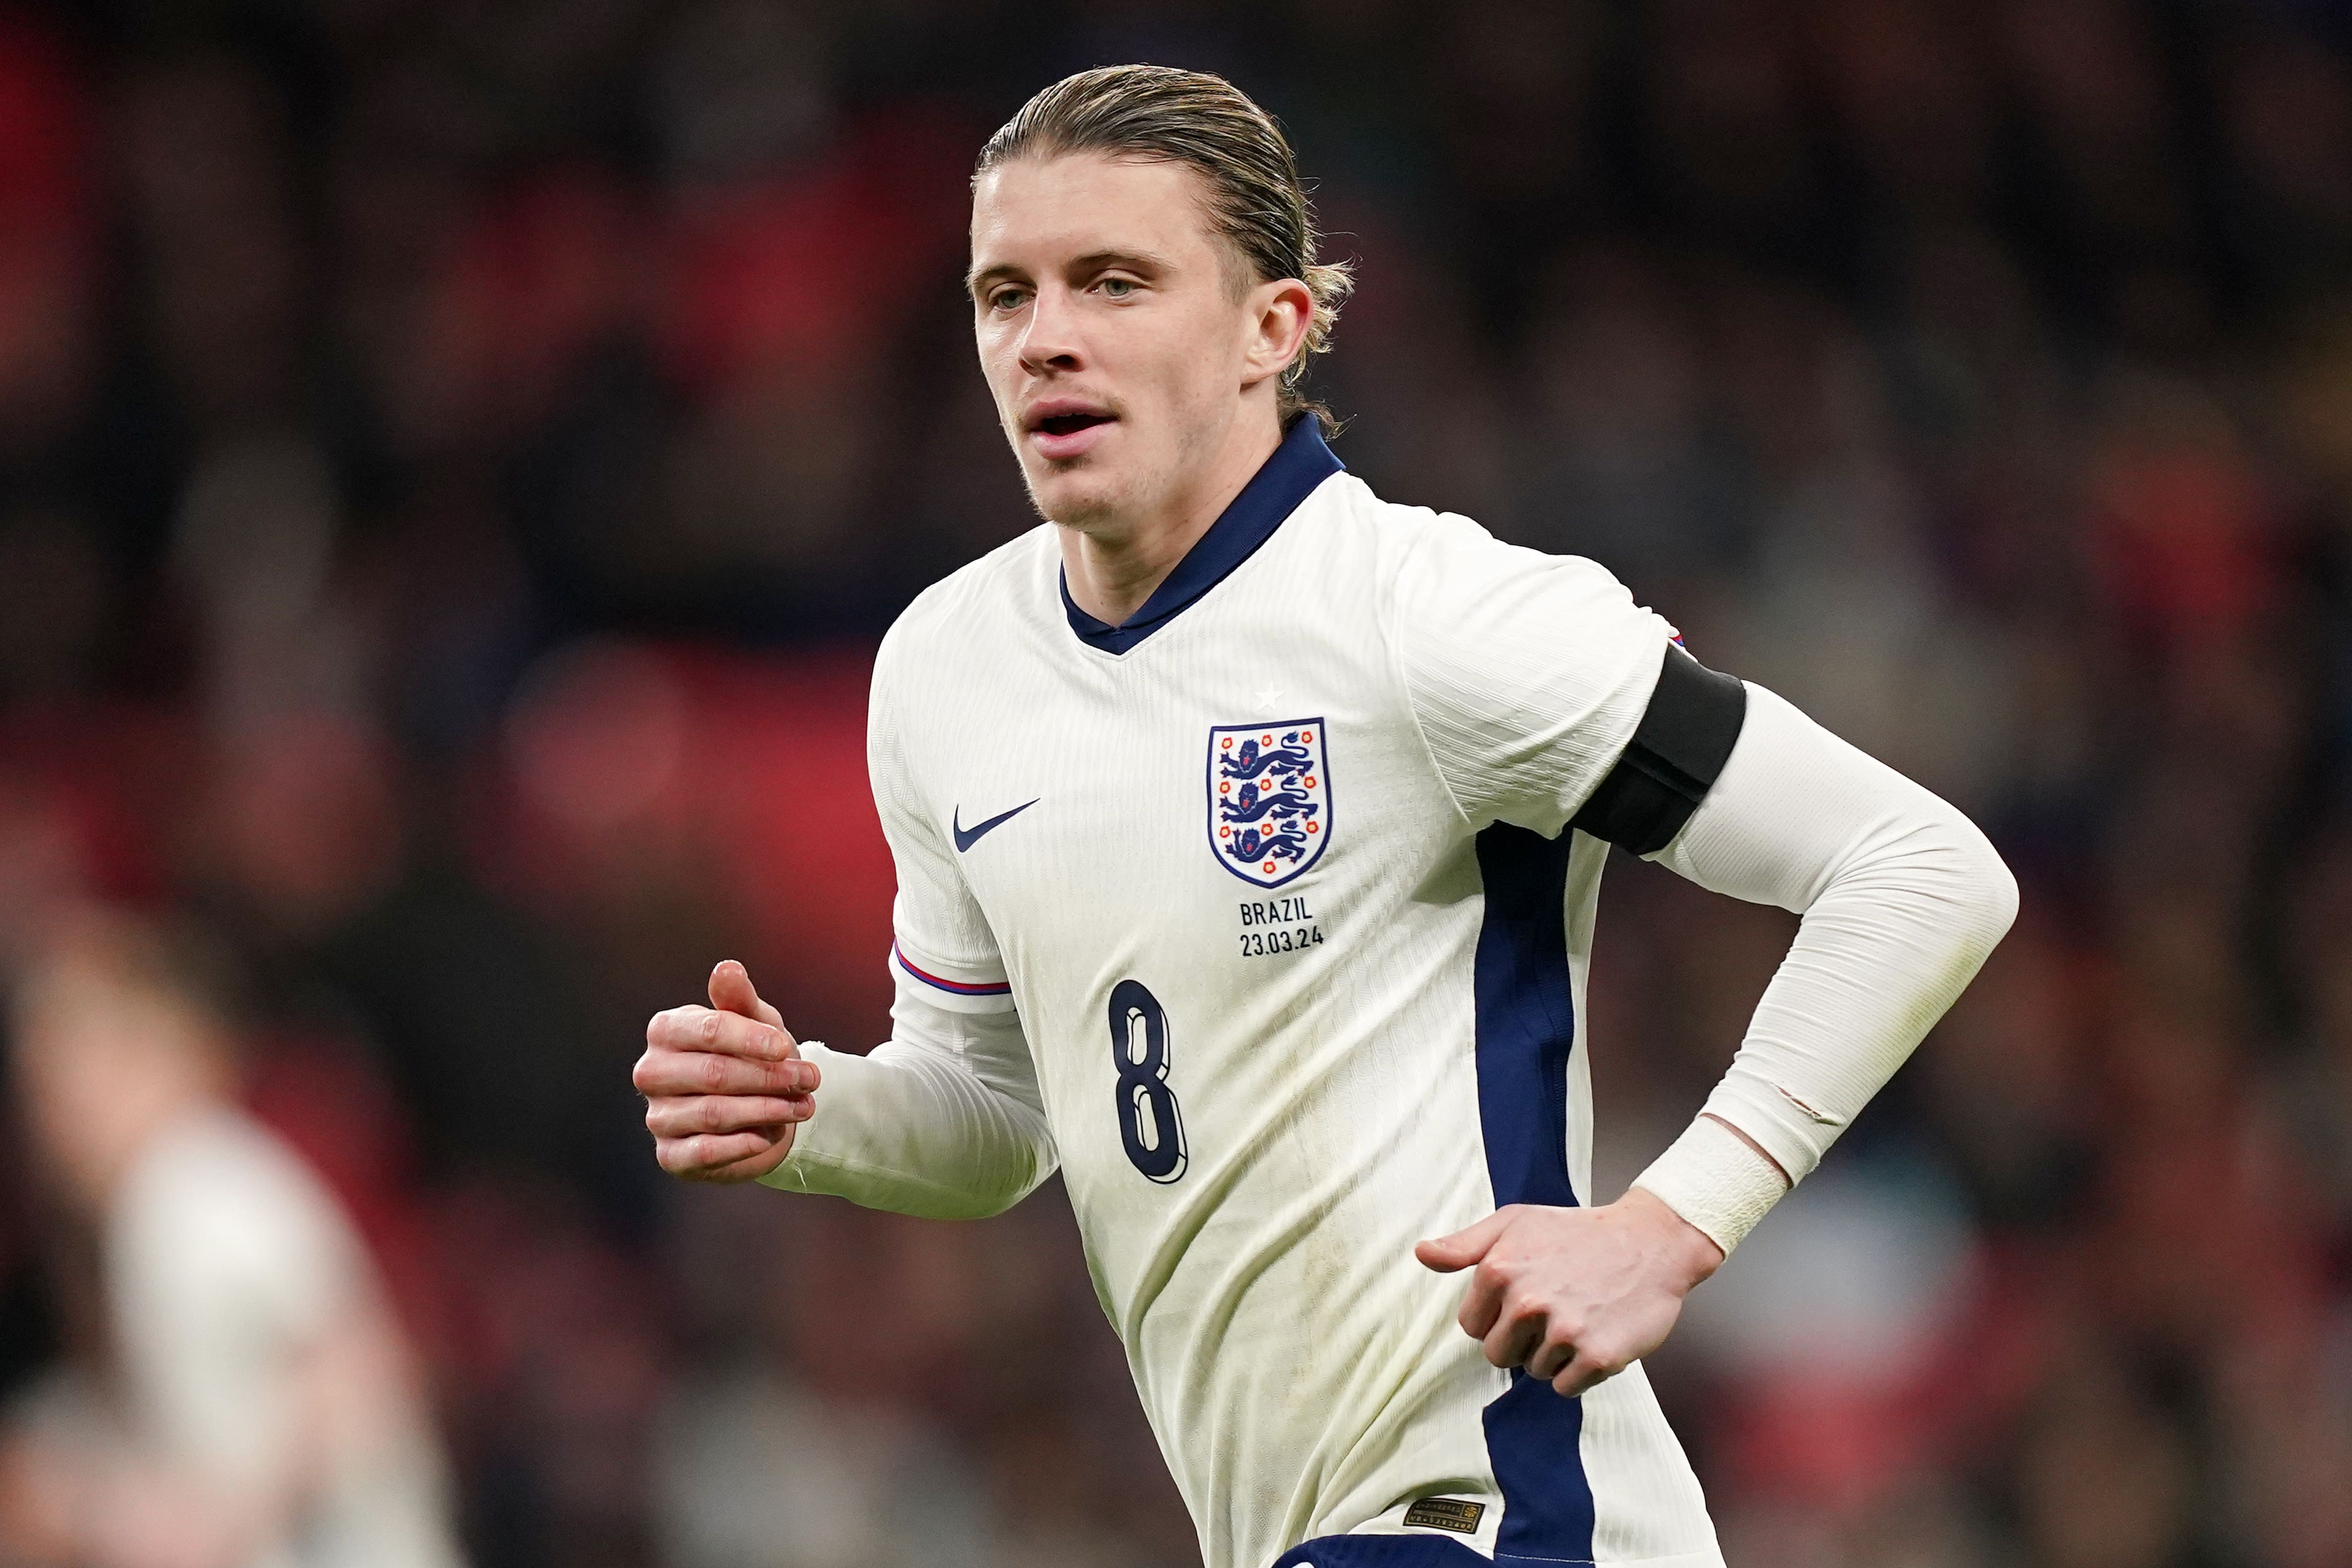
column 1269, row 798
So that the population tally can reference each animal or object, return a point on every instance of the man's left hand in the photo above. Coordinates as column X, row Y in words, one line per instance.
column 1575, row 1295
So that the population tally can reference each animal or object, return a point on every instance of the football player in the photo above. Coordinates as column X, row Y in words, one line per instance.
column 1248, row 830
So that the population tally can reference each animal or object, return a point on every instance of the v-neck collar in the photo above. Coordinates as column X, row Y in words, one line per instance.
column 1298, row 466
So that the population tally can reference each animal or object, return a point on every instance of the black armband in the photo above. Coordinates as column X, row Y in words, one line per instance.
column 1672, row 761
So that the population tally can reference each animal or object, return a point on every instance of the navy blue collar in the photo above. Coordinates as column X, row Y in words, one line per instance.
column 1300, row 464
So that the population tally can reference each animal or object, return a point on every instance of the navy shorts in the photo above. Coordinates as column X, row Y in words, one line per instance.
column 1399, row 1552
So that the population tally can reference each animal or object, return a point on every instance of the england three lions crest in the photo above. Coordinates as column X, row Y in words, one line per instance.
column 1269, row 798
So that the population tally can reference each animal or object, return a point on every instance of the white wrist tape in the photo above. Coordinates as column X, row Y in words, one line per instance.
column 1711, row 1178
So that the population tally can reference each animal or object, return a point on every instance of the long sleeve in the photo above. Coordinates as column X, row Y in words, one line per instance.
column 1901, row 899
column 942, row 1119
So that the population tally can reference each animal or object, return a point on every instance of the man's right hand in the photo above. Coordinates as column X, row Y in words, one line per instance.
column 724, row 1085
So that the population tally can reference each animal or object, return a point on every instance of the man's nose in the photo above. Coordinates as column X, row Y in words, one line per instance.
column 1050, row 341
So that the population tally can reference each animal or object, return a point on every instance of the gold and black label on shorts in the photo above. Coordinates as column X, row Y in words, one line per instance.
column 1445, row 1513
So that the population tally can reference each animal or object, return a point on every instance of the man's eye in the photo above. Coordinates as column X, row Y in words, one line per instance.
column 1008, row 299
column 1117, row 287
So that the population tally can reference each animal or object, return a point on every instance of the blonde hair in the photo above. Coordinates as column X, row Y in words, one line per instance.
column 1257, row 200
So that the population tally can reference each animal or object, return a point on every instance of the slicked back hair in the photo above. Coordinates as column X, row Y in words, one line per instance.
column 1256, row 201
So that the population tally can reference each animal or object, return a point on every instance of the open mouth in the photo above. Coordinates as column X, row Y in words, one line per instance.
column 1071, row 423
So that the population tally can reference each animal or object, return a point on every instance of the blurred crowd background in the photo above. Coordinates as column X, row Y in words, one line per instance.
column 455, row 462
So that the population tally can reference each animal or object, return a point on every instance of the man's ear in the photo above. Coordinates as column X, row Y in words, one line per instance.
column 1279, row 314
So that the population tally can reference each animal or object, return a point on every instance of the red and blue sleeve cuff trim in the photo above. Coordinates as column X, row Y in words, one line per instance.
column 1001, row 988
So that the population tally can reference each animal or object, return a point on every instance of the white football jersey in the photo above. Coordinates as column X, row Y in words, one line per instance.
column 1281, row 880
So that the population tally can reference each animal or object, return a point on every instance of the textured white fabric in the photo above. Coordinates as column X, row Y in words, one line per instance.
column 1714, row 1181
column 1902, row 899
column 1527, row 673
column 941, row 933
column 941, row 1120
column 1302, row 1371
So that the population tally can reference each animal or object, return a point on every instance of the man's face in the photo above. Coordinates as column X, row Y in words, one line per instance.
column 1113, row 340
column 92, row 1057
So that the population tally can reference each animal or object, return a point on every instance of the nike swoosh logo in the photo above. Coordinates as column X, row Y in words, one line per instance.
column 967, row 837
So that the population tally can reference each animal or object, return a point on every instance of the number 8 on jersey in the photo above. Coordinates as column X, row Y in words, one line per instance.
column 1149, row 1122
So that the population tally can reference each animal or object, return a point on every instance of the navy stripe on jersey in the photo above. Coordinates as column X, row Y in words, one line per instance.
column 1298, row 466
column 1526, row 1029
column 1001, row 988
column 1676, row 756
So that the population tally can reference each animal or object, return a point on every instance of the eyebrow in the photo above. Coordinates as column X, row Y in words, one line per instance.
column 975, row 282
column 1093, row 261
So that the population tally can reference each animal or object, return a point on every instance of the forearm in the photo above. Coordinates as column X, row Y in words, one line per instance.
column 935, row 1122
column 1902, row 900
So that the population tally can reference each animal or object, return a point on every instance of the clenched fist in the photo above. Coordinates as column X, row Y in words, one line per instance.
column 724, row 1085
column 1575, row 1295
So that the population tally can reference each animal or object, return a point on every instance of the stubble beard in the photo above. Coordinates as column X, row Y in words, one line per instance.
column 1116, row 503
column 1096, row 508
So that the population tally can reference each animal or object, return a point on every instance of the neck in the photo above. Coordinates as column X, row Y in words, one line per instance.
column 110, row 1153
column 1114, row 566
